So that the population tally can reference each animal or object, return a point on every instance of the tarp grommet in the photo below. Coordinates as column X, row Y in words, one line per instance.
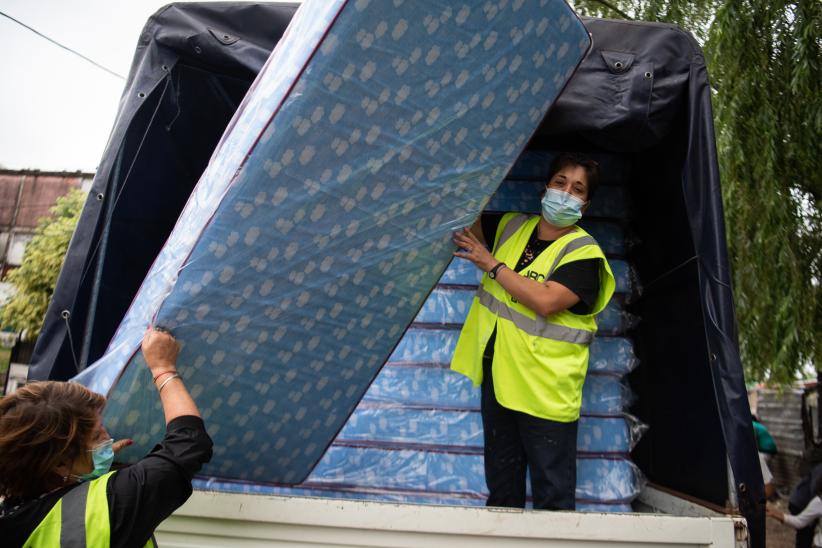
column 617, row 62
column 100, row 196
column 198, row 49
column 141, row 95
column 65, row 314
column 223, row 37
column 164, row 67
column 648, row 75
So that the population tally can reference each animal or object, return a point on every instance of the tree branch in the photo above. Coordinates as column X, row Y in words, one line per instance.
column 614, row 9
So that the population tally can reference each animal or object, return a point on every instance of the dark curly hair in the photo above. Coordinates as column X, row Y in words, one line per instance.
column 42, row 425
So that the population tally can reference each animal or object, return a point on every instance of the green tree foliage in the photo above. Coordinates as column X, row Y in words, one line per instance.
column 765, row 62
column 37, row 276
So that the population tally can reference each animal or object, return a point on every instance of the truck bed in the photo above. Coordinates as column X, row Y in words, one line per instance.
column 211, row 519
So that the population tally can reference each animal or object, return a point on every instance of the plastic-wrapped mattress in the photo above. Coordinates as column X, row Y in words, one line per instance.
column 323, row 220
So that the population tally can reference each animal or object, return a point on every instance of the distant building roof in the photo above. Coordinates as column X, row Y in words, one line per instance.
column 27, row 195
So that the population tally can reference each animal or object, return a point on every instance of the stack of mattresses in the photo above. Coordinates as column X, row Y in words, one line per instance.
column 321, row 224
column 417, row 434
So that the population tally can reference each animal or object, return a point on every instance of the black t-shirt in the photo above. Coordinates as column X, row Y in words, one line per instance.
column 581, row 277
column 140, row 496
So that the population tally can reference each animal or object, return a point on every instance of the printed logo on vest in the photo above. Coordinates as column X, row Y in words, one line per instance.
column 536, row 276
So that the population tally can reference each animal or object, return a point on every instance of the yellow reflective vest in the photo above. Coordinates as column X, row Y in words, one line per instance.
column 539, row 362
column 79, row 518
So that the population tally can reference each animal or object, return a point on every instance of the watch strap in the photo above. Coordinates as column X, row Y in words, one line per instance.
column 493, row 272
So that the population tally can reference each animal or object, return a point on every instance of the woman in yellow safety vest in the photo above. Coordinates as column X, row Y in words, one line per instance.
column 55, row 483
column 526, row 337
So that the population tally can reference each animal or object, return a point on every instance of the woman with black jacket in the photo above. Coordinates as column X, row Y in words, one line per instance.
column 55, row 457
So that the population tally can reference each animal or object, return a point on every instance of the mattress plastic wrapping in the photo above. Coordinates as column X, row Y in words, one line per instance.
column 416, row 436
column 462, row 428
column 324, row 219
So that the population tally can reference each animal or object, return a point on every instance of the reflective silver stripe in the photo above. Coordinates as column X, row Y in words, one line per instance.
column 73, row 517
column 573, row 245
column 509, row 230
column 537, row 327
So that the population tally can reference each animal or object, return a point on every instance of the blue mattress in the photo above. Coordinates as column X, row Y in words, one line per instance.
column 434, row 345
column 324, row 217
column 460, row 429
column 435, row 386
column 453, row 303
column 405, row 496
column 408, row 475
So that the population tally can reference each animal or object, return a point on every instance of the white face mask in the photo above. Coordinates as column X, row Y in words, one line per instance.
column 561, row 208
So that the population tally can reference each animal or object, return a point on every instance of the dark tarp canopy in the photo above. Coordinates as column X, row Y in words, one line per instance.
column 642, row 93
column 193, row 65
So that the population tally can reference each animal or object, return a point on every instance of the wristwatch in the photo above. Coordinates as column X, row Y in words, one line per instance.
column 493, row 272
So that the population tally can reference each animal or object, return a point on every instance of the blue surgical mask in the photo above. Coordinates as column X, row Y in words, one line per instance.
column 102, row 456
column 561, row 208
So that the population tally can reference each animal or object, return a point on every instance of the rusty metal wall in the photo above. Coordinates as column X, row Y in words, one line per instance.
column 781, row 415
column 39, row 191
column 25, row 197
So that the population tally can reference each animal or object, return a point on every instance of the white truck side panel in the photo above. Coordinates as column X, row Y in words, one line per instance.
column 211, row 519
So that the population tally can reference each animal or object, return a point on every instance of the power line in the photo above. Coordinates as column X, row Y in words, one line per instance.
column 56, row 43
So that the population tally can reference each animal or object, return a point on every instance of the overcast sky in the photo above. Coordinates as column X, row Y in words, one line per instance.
column 56, row 110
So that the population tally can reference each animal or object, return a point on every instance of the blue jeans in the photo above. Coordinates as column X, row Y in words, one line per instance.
column 516, row 441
